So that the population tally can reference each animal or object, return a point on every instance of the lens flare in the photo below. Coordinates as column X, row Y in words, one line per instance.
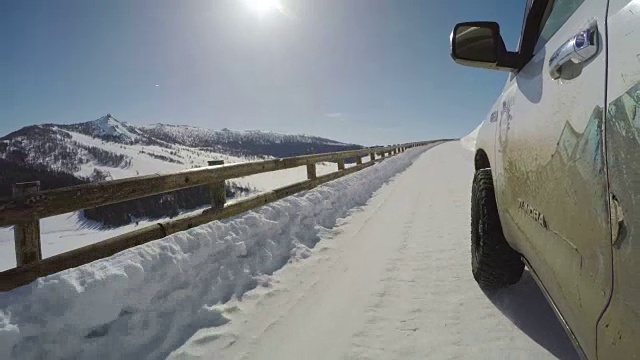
column 262, row 7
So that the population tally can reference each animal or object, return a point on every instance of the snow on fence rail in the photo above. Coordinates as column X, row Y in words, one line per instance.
column 29, row 205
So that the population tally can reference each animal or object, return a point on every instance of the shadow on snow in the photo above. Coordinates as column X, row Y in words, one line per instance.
column 527, row 308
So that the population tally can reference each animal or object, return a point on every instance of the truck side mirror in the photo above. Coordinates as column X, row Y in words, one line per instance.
column 479, row 44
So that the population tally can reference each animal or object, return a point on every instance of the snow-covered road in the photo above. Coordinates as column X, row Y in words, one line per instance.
column 374, row 265
column 393, row 281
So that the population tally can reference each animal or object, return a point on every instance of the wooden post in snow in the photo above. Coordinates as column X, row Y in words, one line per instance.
column 217, row 189
column 311, row 171
column 27, row 234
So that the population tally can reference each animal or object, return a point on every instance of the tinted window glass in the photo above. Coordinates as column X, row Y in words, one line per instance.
column 561, row 11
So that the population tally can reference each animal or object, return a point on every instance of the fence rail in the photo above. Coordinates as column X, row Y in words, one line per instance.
column 29, row 205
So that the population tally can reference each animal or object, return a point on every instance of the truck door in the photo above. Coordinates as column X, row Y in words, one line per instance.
column 553, row 187
column 618, row 330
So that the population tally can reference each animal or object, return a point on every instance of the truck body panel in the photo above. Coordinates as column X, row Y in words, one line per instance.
column 618, row 328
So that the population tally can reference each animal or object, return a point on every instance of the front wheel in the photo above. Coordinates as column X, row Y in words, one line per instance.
column 494, row 263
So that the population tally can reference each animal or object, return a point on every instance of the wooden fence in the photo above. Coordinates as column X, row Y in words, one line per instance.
column 28, row 205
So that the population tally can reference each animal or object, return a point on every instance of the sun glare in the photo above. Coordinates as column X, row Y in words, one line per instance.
column 264, row 6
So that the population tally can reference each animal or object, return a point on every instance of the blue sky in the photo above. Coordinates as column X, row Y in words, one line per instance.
column 363, row 71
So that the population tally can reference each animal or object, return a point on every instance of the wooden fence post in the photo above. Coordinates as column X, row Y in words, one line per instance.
column 372, row 156
column 358, row 160
column 340, row 164
column 27, row 234
column 311, row 171
column 383, row 154
column 217, row 189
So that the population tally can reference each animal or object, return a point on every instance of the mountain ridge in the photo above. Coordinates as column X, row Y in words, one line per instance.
column 61, row 155
column 109, row 142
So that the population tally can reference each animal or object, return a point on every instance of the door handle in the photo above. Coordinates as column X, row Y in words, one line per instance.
column 580, row 48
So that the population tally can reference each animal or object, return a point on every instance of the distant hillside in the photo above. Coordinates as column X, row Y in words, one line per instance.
column 61, row 155
column 13, row 173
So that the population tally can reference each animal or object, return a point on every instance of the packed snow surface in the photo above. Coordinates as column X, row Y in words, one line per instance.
column 371, row 266
column 392, row 282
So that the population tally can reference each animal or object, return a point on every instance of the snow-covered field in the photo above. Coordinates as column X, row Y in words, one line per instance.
column 144, row 164
column 70, row 231
column 371, row 266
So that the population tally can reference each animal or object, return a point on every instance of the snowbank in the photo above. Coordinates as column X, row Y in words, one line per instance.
column 147, row 301
column 70, row 231
column 469, row 141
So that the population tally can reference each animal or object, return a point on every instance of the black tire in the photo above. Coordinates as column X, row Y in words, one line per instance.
column 494, row 263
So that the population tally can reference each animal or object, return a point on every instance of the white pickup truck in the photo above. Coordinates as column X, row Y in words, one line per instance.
column 557, row 166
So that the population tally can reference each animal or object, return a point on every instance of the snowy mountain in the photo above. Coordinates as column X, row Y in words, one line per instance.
column 106, row 128
column 109, row 149
column 246, row 140
column 252, row 142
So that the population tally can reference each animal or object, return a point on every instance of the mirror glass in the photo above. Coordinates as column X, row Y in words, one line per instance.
column 475, row 43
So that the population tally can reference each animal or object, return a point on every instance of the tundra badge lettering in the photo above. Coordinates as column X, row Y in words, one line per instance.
column 532, row 212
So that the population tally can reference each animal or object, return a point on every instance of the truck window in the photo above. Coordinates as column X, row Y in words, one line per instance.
column 560, row 12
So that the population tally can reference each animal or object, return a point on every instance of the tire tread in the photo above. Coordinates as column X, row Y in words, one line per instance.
column 496, row 264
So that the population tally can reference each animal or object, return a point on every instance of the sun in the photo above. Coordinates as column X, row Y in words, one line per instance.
column 263, row 7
